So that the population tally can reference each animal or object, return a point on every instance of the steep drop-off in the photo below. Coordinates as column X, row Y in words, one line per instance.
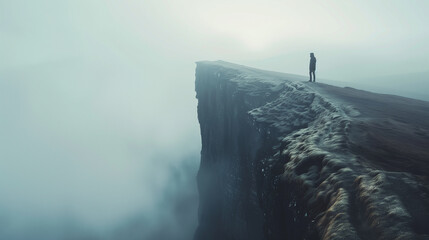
column 283, row 158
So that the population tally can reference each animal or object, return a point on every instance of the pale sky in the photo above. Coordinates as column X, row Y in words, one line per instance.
column 97, row 96
column 349, row 36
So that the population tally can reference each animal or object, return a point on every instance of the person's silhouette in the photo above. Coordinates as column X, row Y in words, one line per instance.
column 312, row 67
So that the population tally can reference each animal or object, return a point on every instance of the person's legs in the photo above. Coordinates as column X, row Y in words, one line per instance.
column 314, row 76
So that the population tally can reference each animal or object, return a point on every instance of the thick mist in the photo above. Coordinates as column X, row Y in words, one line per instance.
column 99, row 137
column 93, row 149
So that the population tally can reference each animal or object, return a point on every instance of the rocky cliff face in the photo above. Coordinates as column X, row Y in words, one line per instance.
column 283, row 158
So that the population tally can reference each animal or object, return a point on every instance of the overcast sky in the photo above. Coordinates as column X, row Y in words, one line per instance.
column 359, row 38
column 97, row 97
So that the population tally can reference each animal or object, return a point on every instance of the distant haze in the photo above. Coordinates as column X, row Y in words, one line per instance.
column 98, row 127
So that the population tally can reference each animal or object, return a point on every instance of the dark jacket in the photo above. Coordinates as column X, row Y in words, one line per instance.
column 312, row 64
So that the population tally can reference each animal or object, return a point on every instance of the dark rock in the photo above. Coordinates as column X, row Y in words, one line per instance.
column 285, row 159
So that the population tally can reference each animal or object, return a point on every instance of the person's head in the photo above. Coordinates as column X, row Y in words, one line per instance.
column 312, row 55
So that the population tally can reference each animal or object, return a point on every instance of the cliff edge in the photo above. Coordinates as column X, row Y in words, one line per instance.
column 283, row 158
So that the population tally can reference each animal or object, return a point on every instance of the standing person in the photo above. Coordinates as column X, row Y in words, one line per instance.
column 312, row 67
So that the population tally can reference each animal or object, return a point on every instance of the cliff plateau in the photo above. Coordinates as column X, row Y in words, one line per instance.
column 283, row 158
